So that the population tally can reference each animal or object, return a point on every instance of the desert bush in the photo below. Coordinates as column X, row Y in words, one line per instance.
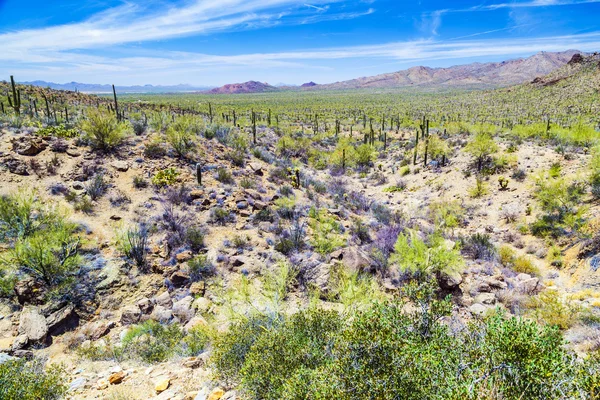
column 479, row 246
column 549, row 308
column 103, row 130
column 221, row 216
column 165, row 177
column 224, row 176
column 96, row 187
column 327, row 232
column 422, row 260
column 481, row 147
column 523, row 264
column 30, row 380
column 481, row 188
column 139, row 182
column 134, row 244
column 447, row 214
column 155, row 148
column 385, row 353
column 151, row 341
column 181, row 136
column 197, row 340
column 200, row 268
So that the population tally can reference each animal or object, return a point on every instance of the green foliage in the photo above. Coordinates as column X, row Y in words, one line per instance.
column 365, row 155
column 151, row 341
column 549, row 308
column 224, row 176
column 480, row 189
column 165, row 177
column 30, row 380
column 481, row 147
column 59, row 131
column 383, row 352
column 446, row 214
column 326, row 232
column 422, row 259
column 103, row 130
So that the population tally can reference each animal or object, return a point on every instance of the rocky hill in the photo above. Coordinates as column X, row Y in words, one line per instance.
column 476, row 75
column 247, row 87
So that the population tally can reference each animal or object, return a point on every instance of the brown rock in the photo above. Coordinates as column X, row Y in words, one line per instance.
column 145, row 305
column 29, row 146
column 198, row 288
column 179, row 278
column 131, row 315
column 216, row 394
column 32, row 325
column 353, row 258
column 184, row 256
column 29, row 291
column 162, row 384
column 116, row 378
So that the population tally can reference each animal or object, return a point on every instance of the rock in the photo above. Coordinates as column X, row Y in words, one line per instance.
column 73, row 152
column 63, row 320
column 196, row 194
column 184, row 256
column 450, row 280
column 242, row 205
column 259, row 205
column 161, row 314
column 478, row 309
column 19, row 343
column 5, row 357
column 230, row 395
column 353, row 258
column 238, row 261
column 29, row 291
column 182, row 309
column 121, row 166
column 162, row 384
column 164, row 300
column 216, row 394
column 193, row 362
column 529, row 286
column 202, row 305
column 16, row 166
column 198, row 288
column 117, row 377
column 77, row 384
column 102, row 384
column 98, row 329
column 29, row 146
column 131, row 315
column 257, row 169
column 485, row 298
column 146, row 305
column 194, row 322
column 179, row 278
column 190, row 395
column 33, row 325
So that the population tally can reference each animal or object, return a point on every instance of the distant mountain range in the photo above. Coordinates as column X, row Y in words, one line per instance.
column 468, row 76
column 100, row 88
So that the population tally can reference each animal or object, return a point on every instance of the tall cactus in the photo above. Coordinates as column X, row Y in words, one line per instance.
column 254, row 127
column 15, row 100
column 199, row 173
column 48, row 115
column 116, row 103
column 416, row 147
column 210, row 113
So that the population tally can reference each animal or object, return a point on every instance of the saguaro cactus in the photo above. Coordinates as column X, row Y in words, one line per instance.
column 15, row 100
column 254, row 127
column 116, row 103
column 199, row 173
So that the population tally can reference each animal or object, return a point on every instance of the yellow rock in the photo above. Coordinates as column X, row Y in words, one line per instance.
column 162, row 385
column 216, row 394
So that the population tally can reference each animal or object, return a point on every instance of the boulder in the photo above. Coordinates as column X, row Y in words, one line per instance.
column 529, row 286
column 116, row 377
column 161, row 314
column 202, row 305
column 179, row 279
column 121, row 166
column 33, row 325
column 162, row 384
column 194, row 322
column 16, row 166
column 29, row 146
column 450, row 280
column 182, row 309
column 98, row 329
column 145, row 305
column 164, row 300
column 485, row 298
column 29, row 291
column 353, row 258
column 131, row 315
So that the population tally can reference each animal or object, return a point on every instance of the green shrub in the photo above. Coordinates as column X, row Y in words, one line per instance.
column 103, row 130
column 29, row 380
column 327, row 232
column 165, row 177
column 224, row 176
column 383, row 352
column 481, row 147
column 180, row 135
column 422, row 259
column 197, row 340
column 523, row 264
column 151, row 341
column 59, row 131
column 481, row 188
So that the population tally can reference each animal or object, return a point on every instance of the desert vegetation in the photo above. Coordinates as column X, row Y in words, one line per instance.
column 302, row 245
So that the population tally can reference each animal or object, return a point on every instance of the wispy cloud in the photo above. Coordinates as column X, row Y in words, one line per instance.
column 528, row 4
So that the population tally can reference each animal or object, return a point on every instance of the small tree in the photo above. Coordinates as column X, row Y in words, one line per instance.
column 104, row 131
column 481, row 147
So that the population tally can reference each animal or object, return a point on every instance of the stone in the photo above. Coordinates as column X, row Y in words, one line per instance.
column 230, row 395
column 198, row 288
column 29, row 291
column 478, row 309
column 16, row 166
column 63, row 320
column 161, row 314
column 194, row 322
column 29, row 146
column 257, row 169
column 196, row 194
column 5, row 358
column 78, row 186
column 182, row 309
column 238, row 261
column 179, row 279
column 145, row 305
column 202, row 305
column 529, row 286
column 19, row 343
column 450, row 280
column 102, row 384
column 116, row 377
column 164, row 300
column 193, row 362
column 162, row 384
column 131, row 315
column 184, row 256
column 121, row 166
column 485, row 298
column 77, row 384
column 216, row 394
column 353, row 258
column 73, row 152
column 33, row 325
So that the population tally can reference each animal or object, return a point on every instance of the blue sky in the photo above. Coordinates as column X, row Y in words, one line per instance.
column 213, row 42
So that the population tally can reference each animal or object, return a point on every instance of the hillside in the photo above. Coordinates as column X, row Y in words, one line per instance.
column 247, row 87
column 344, row 246
column 476, row 75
